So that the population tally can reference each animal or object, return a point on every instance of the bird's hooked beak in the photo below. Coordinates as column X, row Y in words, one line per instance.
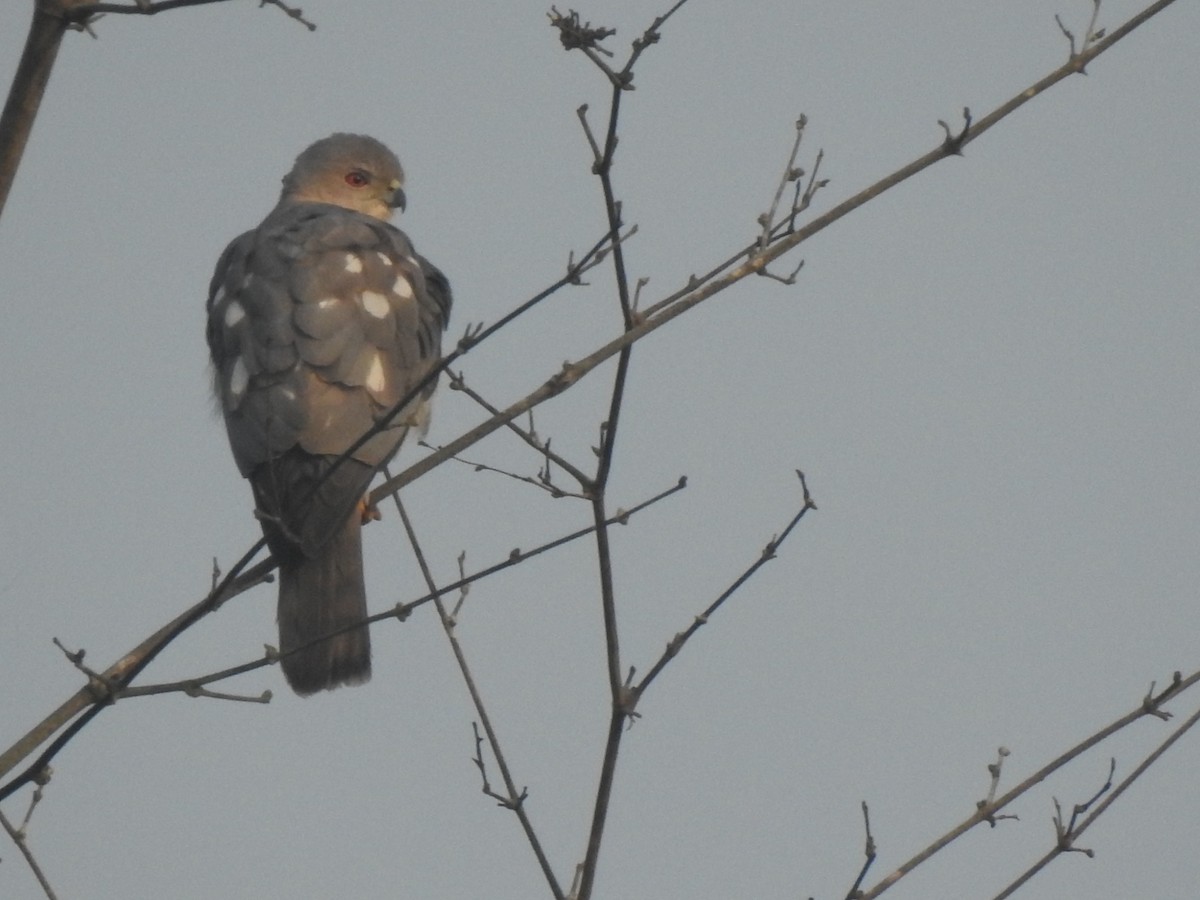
column 397, row 199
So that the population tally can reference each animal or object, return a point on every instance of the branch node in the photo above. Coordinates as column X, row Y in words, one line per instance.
column 576, row 34
column 953, row 143
column 470, row 337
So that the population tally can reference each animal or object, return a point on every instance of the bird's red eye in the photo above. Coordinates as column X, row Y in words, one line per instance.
column 356, row 179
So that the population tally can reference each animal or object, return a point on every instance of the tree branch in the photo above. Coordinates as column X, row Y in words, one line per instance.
column 986, row 811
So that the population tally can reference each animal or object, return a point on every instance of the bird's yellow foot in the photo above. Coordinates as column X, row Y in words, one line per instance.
column 368, row 511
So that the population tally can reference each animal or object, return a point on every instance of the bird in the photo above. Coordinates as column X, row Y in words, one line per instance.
column 319, row 322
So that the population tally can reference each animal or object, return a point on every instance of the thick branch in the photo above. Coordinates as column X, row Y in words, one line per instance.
column 29, row 85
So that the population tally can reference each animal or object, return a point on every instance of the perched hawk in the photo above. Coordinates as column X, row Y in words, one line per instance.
column 320, row 320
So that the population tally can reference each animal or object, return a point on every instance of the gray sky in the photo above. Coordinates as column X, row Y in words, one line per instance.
column 989, row 376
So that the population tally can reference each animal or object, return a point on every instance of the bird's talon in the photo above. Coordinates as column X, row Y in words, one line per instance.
column 368, row 511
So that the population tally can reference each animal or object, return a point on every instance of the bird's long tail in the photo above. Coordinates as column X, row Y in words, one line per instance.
column 317, row 595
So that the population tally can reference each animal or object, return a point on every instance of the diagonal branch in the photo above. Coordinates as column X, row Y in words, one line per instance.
column 986, row 812
column 514, row 799
column 18, row 838
column 768, row 553
column 1065, row 841
column 745, row 263
column 117, row 675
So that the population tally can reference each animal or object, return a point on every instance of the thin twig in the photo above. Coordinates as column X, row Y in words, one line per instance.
column 995, row 770
column 706, row 286
column 540, row 481
column 790, row 175
column 293, row 12
column 869, row 852
column 83, row 13
column 194, row 687
column 118, row 675
column 514, row 799
column 459, row 383
column 1083, row 826
column 650, row 36
column 1066, row 830
column 465, row 589
column 766, row 555
column 400, row 612
column 18, row 838
column 1150, row 706
column 517, row 556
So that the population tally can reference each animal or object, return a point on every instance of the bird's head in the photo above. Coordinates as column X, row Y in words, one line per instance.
column 349, row 170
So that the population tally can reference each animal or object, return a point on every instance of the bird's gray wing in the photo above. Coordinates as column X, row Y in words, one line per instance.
column 319, row 322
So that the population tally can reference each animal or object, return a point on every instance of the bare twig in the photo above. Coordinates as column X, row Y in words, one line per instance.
column 541, row 481
column 513, row 799
column 1090, row 36
column 194, row 687
column 399, row 612
column 1150, row 706
column 651, row 35
column 119, row 674
column 18, row 833
column 954, row 142
column 18, row 838
column 994, row 770
column 769, row 228
column 83, row 13
column 766, row 555
column 735, row 267
column 1083, row 826
column 459, row 383
column 1065, row 831
column 501, row 799
column 292, row 11
column 465, row 589
column 517, row 556
column 804, row 195
column 791, row 175
column 869, row 854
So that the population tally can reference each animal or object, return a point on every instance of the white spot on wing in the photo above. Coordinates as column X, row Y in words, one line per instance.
column 384, row 258
column 353, row 263
column 376, row 379
column 218, row 296
column 327, row 302
column 238, row 379
column 234, row 313
column 246, row 281
column 402, row 288
column 375, row 303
